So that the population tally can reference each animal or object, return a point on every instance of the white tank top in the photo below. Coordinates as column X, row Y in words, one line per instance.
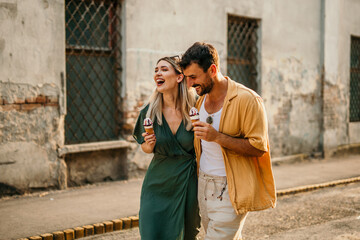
column 211, row 160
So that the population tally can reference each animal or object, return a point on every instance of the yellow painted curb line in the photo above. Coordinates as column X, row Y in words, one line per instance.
column 308, row 188
column 88, row 230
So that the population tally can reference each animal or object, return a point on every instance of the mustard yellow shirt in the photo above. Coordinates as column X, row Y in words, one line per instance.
column 250, row 180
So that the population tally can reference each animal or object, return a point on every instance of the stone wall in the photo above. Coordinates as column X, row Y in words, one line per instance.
column 32, row 106
column 290, row 58
column 341, row 22
column 96, row 166
column 307, row 107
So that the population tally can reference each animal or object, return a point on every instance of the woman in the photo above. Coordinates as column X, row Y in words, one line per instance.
column 168, row 205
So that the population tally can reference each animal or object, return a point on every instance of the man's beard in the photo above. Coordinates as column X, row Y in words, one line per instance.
column 206, row 88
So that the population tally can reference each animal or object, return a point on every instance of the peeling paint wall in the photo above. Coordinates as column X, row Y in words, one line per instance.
column 292, row 96
column 307, row 113
column 291, row 85
column 84, row 167
column 290, row 61
column 32, row 62
column 341, row 22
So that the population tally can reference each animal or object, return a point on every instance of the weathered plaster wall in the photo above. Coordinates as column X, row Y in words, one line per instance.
column 352, row 28
column 157, row 29
column 290, row 48
column 32, row 41
column 291, row 85
column 342, row 20
column 97, row 166
column 32, row 63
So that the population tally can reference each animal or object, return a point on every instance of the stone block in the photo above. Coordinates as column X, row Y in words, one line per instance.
column 134, row 221
column 118, row 224
column 109, row 226
column 35, row 238
column 69, row 234
column 47, row 236
column 99, row 228
column 79, row 232
column 88, row 230
column 58, row 235
column 126, row 223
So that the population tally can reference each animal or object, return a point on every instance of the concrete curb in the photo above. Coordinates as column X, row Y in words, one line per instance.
column 89, row 230
column 133, row 221
column 308, row 188
column 301, row 157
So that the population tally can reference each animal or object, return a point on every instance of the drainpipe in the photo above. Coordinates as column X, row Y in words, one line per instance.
column 322, row 76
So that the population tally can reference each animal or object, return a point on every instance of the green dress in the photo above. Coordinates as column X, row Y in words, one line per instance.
column 168, row 205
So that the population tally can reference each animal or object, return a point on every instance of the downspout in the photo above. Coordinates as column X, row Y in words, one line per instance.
column 322, row 76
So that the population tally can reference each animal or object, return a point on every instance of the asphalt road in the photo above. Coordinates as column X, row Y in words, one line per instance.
column 330, row 213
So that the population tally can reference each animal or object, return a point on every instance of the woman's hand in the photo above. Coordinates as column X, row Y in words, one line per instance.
column 149, row 144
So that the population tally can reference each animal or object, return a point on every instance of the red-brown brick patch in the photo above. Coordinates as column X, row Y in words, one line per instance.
column 29, row 107
column 19, row 101
column 10, row 107
column 41, row 99
column 30, row 100
column 28, row 104
column 52, row 99
column 55, row 104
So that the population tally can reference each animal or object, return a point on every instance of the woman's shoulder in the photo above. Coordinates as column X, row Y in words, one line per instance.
column 144, row 109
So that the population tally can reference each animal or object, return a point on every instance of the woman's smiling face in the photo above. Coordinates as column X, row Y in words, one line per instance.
column 165, row 77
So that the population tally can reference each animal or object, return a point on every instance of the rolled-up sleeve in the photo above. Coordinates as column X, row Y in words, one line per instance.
column 256, row 125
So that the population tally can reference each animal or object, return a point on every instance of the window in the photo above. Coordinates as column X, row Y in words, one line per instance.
column 93, row 70
column 355, row 80
column 243, row 52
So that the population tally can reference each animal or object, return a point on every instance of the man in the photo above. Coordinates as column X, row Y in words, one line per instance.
column 231, row 144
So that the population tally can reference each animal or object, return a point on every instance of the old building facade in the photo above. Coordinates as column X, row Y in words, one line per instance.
column 74, row 74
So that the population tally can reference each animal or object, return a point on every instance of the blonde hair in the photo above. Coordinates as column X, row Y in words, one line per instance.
column 185, row 99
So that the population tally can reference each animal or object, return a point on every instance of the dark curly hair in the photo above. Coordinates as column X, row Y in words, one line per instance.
column 204, row 54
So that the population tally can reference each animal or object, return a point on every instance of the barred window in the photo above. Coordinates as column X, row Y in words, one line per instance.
column 355, row 80
column 93, row 70
column 243, row 51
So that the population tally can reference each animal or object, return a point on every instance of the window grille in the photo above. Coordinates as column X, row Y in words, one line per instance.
column 93, row 70
column 355, row 80
column 243, row 52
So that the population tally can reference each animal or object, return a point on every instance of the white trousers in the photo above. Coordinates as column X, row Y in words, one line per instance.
column 218, row 216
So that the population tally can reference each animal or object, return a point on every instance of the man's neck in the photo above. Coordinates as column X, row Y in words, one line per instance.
column 219, row 90
column 215, row 99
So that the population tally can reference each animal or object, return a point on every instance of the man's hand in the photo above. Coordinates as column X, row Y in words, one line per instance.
column 242, row 146
column 205, row 131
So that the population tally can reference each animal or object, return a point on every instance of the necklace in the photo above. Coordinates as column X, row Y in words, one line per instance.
column 210, row 119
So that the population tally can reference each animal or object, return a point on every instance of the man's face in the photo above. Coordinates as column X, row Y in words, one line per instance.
column 198, row 79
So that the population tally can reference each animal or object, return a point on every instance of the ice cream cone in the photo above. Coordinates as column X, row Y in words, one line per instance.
column 148, row 126
column 194, row 115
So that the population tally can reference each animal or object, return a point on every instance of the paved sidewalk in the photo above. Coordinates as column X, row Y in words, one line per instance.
column 47, row 212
